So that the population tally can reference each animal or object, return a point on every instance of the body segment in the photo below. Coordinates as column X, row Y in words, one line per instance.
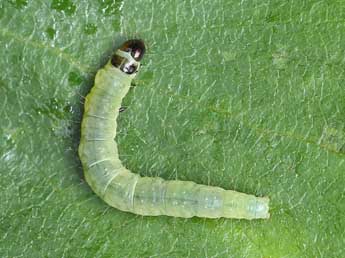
column 130, row 192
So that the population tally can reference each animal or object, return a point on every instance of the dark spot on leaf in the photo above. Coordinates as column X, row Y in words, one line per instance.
column 74, row 78
column 66, row 6
column 16, row 57
column 90, row 29
column 50, row 32
column 68, row 108
column 19, row 4
column 271, row 17
column 110, row 7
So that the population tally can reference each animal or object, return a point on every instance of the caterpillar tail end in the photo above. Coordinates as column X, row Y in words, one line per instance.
column 261, row 208
column 245, row 206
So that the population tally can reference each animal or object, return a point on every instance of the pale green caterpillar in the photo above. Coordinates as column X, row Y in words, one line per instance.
column 126, row 191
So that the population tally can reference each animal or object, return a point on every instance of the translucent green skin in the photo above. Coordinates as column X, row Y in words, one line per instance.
column 150, row 196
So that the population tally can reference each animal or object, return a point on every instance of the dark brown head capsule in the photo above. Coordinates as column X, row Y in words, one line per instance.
column 136, row 48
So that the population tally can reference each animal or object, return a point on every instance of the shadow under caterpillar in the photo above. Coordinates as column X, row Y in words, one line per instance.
column 126, row 191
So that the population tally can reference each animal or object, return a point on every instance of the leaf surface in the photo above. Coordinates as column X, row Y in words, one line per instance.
column 246, row 95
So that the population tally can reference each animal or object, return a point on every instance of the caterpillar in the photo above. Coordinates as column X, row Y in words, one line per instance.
column 126, row 191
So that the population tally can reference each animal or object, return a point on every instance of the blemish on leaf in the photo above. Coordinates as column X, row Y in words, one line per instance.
column 50, row 32
column 74, row 78
column 271, row 17
column 90, row 29
column 280, row 58
column 54, row 108
column 19, row 4
column 66, row 6
column 333, row 139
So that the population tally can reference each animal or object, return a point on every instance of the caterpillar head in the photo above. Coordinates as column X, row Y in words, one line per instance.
column 127, row 57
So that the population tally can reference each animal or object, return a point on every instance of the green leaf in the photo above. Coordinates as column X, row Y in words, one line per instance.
column 246, row 95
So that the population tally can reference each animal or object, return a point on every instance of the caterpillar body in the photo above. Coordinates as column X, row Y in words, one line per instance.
column 126, row 191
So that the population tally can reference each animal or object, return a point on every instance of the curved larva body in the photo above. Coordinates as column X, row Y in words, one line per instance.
column 130, row 192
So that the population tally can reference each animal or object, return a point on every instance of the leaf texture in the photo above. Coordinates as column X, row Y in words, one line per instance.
column 246, row 95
